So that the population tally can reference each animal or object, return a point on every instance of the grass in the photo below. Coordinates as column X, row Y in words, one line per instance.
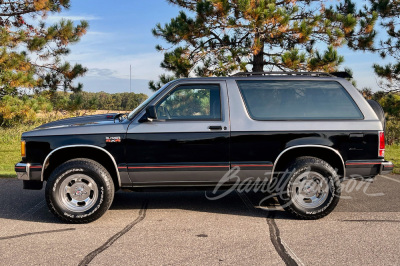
column 10, row 151
column 393, row 154
column 10, row 139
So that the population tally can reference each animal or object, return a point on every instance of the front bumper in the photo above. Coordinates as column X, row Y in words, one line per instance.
column 28, row 171
column 368, row 168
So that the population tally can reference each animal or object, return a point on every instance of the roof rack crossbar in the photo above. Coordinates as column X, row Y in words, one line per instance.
column 313, row 74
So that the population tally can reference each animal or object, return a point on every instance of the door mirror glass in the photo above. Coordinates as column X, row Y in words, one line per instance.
column 151, row 112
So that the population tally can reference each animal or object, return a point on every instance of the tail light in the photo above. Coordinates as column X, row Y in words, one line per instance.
column 381, row 152
column 23, row 148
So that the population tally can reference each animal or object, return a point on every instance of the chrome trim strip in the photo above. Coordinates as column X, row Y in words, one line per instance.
column 75, row 146
column 21, row 165
column 28, row 165
column 22, row 175
column 175, row 184
column 308, row 146
column 170, row 185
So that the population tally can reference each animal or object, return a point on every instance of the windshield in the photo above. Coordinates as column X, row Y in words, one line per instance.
column 145, row 103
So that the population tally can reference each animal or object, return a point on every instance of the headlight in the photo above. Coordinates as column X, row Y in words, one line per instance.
column 23, row 148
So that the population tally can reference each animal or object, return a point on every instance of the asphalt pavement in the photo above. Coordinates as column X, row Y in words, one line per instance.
column 186, row 228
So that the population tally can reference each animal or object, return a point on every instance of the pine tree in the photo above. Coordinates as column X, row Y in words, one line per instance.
column 226, row 36
column 389, row 11
column 31, row 52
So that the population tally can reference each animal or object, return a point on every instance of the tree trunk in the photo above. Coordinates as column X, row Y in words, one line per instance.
column 258, row 59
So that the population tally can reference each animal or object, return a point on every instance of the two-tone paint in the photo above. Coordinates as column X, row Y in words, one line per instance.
column 189, row 153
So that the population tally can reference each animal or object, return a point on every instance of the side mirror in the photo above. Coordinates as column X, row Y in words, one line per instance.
column 151, row 113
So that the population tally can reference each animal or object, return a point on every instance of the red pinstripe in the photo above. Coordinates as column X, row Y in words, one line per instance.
column 189, row 166
column 361, row 163
column 256, row 165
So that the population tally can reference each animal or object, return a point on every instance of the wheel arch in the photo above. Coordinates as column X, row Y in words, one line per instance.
column 319, row 151
column 104, row 157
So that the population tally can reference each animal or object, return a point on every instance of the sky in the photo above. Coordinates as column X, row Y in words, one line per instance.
column 120, row 35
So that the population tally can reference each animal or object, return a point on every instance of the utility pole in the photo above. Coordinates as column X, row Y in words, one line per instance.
column 130, row 78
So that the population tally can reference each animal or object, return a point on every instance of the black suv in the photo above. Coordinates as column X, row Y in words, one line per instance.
column 305, row 130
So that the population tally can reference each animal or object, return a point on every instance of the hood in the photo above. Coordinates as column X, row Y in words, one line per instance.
column 79, row 121
column 91, row 124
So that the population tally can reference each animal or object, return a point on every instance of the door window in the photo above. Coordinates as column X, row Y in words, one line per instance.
column 191, row 102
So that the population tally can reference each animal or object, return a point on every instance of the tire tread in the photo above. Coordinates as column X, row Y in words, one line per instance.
column 301, row 162
column 79, row 162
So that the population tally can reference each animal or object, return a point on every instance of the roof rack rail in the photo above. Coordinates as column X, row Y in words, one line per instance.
column 342, row 74
column 312, row 74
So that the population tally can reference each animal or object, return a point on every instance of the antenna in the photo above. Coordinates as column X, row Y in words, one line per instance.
column 130, row 78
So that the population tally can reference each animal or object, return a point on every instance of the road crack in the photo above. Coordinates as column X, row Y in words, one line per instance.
column 276, row 240
column 274, row 232
column 37, row 233
column 110, row 241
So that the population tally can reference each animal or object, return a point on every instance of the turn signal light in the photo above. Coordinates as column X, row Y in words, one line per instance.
column 23, row 148
column 381, row 152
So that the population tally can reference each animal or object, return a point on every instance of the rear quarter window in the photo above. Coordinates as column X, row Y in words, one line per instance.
column 297, row 100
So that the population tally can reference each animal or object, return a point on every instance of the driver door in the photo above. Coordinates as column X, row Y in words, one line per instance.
column 189, row 141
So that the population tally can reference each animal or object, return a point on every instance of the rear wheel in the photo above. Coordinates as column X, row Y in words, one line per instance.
column 311, row 188
column 79, row 191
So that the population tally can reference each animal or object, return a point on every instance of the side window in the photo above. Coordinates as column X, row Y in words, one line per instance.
column 191, row 102
column 297, row 100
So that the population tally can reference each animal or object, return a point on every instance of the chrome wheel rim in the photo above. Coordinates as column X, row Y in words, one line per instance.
column 78, row 193
column 309, row 190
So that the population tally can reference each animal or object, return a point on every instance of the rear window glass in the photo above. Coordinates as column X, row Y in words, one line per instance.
column 297, row 100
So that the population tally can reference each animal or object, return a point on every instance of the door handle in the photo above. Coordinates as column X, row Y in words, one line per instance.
column 215, row 127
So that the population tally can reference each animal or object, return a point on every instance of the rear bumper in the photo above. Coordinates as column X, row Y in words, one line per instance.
column 27, row 171
column 368, row 168
column 386, row 168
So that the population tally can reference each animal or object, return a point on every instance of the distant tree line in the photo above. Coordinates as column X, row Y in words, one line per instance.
column 106, row 101
column 390, row 103
column 24, row 109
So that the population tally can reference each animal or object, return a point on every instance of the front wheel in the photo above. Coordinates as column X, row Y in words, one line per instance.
column 79, row 191
column 311, row 188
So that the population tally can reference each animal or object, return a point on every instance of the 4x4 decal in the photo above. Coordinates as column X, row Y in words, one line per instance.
column 113, row 139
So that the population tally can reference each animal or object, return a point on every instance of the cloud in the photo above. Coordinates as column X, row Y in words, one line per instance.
column 100, row 72
column 56, row 18
column 110, row 73
column 103, row 64
column 144, row 66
